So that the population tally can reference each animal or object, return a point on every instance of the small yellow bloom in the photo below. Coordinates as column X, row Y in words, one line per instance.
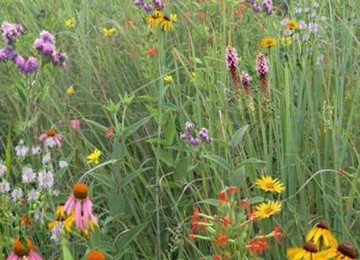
column 168, row 78
column 70, row 90
column 168, row 22
column 268, row 42
column 292, row 25
column 267, row 209
column 70, row 23
column 94, row 157
column 109, row 32
column 286, row 41
column 267, row 183
column 321, row 236
column 193, row 77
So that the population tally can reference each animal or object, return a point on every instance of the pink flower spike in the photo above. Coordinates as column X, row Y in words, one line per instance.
column 75, row 124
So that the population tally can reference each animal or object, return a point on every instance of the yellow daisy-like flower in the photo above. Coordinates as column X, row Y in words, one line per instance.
column 62, row 219
column 292, row 25
column 70, row 90
column 94, row 157
column 267, row 209
column 70, row 23
column 308, row 252
column 156, row 18
column 345, row 251
column 168, row 22
column 168, row 78
column 109, row 32
column 267, row 183
column 268, row 42
column 321, row 236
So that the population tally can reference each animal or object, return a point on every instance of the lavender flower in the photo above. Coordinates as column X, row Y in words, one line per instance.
column 47, row 37
column 256, row 8
column 46, row 158
column 8, row 53
column 267, row 6
column 17, row 194
column 185, row 136
column 31, row 65
column 57, row 231
column 158, row 4
column 59, row 58
column 45, row 180
column 28, row 175
column 33, row 195
column 11, row 31
column 21, row 150
column 2, row 170
column 313, row 28
column 4, row 187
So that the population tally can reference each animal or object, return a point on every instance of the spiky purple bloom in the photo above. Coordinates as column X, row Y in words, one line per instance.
column 138, row 2
column 17, row 194
column 8, row 53
column 256, row 8
column 26, row 66
column 262, row 66
column 47, row 37
column 59, row 58
column 45, row 48
column 194, row 141
column 231, row 57
column 189, row 126
column 11, row 31
column 28, row 175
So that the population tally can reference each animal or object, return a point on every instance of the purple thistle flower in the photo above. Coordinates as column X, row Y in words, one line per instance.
column 158, row 4
column 204, row 135
column 20, row 62
column 189, row 127
column 267, row 6
column 8, row 53
column 17, row 194
column 11, row 31
column 31, row 65
column 47, row 37
column 256, row 8
column 45, row 48
column 148, row 7
column 194, row 141
column 138, row 2
column 185, row 136
column 28, row 175
column 59, row 58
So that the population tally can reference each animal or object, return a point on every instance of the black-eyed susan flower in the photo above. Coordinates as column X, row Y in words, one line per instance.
column 268, row 183
column 321, row 235
column 108, row 32
column 24, row 249
column 70, row 23
column 80, row 203
column 167, row 23
column 156, row 18
column 63, row 220
column 268, row 42
column 292, row 25
column 267, row 209
column 95, row 255
column 345, row 251
column 94, row 157
column 308, row 252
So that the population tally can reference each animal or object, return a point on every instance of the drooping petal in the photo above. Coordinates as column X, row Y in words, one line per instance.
column 69, row 204
column 43, row 137
column 78, row 216
column 34, row 255
column 13, row 256
column 86, row 206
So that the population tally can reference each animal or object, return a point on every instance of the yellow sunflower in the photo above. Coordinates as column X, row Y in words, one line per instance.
column 292, row 25
column 308, row 252
column 268, row 42
column 321, row 236
column 267, row 183
column 267, row 209
column 345, row 251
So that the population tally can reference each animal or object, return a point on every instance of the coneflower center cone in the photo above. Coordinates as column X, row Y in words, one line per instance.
column 80, row 191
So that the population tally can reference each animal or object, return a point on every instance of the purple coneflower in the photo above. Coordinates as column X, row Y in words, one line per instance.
column 82, row 205
column 24, row 252
column 51, row 138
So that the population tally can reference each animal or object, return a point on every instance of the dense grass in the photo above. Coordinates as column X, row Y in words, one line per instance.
column 148, row 181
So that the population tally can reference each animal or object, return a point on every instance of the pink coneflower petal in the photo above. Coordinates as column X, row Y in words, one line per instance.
column 78, row 216
column 94, row 219
column 86, row 206
column 43, row 137
column 34, row 255
column 13, row 256
column 69, row 204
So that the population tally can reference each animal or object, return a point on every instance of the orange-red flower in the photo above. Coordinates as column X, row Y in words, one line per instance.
column 221, row 239
column 152, row 51
column 258, row 245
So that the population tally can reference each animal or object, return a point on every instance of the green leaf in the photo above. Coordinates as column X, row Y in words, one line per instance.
column 165, row 157
column 238, row 136
column 132, row 129
column 213, row 202
column 250, row 161
column 255, row 200
column 66, row 252
column 219, row 161
column 127, row 236
column 134, row 175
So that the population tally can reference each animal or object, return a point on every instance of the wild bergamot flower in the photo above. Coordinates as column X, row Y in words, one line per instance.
column 94, row 157
column 70, row 23
column 268, row 42
column 321, row 235
column 267, row 183
column 267, row 209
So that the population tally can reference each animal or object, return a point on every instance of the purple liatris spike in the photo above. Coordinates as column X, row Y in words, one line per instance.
column 262, row 68
column 245, row 81
column 231, row 60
